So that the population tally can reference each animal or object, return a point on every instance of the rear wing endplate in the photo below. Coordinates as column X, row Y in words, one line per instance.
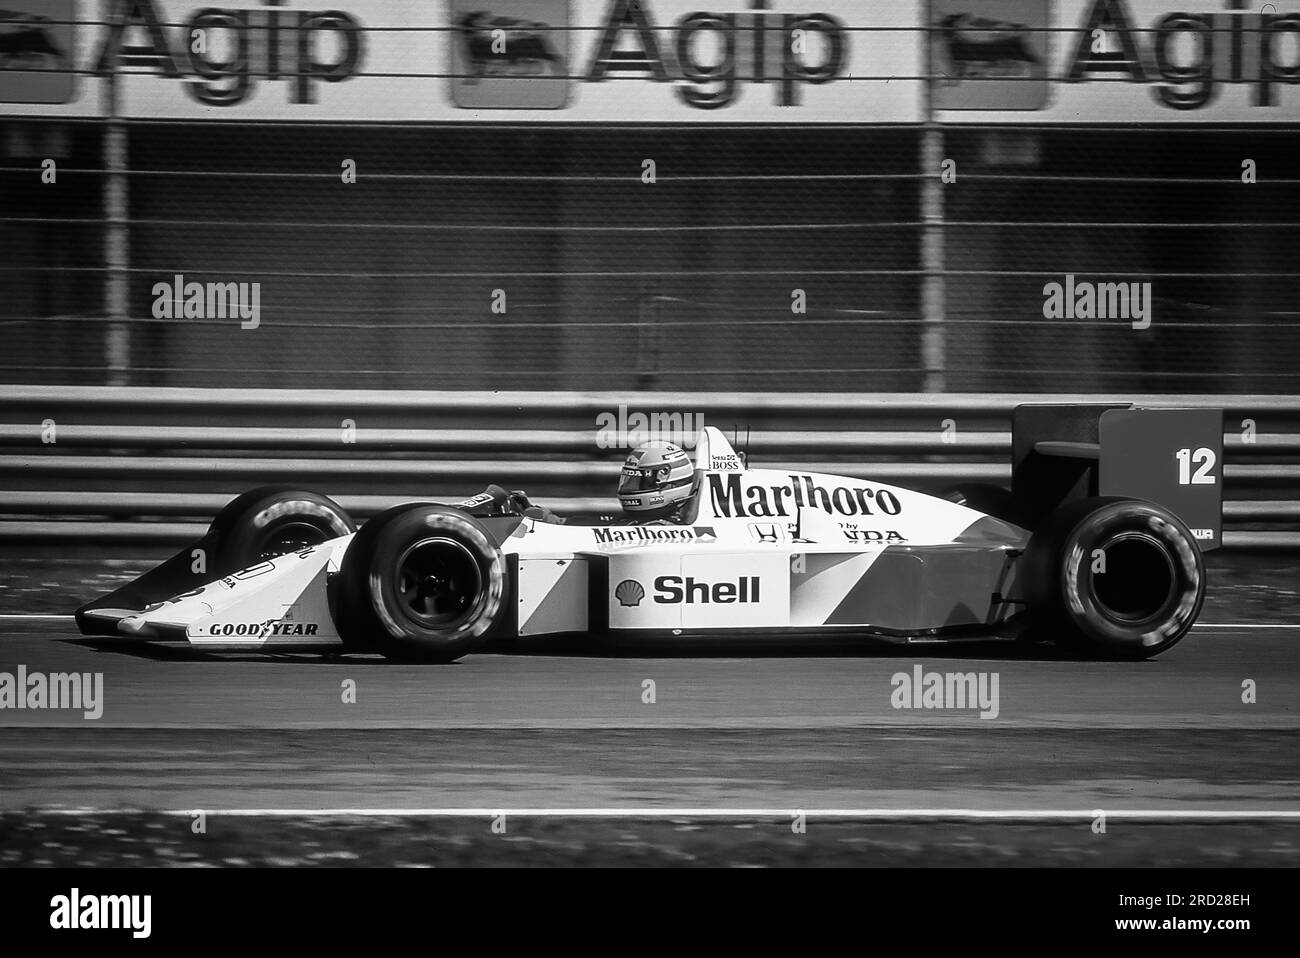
column 1173, row 457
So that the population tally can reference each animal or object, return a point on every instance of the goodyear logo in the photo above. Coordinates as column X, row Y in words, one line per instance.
column 265, row 629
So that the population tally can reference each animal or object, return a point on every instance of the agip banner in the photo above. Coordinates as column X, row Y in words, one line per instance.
column 1115, row 61
column 654, row 61
column 783, row 61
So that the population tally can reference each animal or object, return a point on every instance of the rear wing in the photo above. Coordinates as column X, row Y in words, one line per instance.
column 1173, row 457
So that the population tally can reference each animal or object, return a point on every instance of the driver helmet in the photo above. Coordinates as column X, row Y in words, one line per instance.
column 657, row 478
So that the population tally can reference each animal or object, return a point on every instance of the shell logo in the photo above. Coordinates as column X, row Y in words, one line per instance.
column 629, row 592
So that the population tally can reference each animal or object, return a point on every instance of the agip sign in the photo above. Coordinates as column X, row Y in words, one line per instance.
column 222, row 53
column 656, row 61
column 707, row 57
column 1107, row 61
column 711, row 56
column 796, row 61
column 1189, row 57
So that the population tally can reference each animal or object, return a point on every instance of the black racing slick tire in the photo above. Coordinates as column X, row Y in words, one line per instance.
column 421, row 583
column 272, row 521
column 1114, row 578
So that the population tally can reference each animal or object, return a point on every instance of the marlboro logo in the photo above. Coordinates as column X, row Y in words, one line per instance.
column 733, row 497
column 651, row 534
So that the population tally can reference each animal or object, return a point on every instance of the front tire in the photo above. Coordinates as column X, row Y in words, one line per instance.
column 1115, row 578
column 272, row 521
column 422, row 583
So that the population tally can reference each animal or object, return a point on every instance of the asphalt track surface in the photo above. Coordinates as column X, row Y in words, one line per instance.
column 710, row 772
column 568, row 730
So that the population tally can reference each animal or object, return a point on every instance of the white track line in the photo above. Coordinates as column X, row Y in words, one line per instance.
column 1244, row 625
column 885, row 814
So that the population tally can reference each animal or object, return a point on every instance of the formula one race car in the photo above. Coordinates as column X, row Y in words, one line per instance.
column 1097, row 545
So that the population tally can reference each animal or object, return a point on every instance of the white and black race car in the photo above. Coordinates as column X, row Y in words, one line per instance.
column 1097, row 545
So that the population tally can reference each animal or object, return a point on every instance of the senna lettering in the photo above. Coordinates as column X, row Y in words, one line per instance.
column 155, row 606
column 732, row 497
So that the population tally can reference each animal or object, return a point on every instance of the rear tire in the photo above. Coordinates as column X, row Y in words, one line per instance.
column 1148, row 588
column 421, row 583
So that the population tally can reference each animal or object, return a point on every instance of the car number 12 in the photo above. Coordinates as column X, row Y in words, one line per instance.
column 1203, row 459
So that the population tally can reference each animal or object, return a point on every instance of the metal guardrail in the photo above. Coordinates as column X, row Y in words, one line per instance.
column 152, row 465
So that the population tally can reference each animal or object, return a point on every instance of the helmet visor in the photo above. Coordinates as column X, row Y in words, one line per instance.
column 634, row 480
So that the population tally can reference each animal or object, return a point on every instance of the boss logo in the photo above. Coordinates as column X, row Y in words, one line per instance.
column 675, row 590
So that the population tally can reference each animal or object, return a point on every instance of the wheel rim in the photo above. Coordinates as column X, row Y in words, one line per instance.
column 1140, row 580
column 438, row 582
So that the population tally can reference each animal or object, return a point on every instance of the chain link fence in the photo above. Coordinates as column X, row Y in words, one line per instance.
column 675, row 257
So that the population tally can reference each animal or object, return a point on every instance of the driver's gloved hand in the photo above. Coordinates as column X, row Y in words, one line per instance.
column 539, row 513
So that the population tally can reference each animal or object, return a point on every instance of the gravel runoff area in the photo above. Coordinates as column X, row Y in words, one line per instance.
column 149, row 839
